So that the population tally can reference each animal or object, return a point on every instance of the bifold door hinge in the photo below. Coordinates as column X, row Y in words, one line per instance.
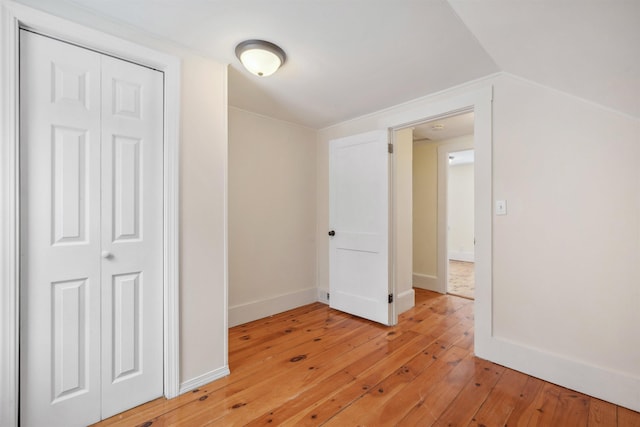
column 390, row 148
column 390, row 298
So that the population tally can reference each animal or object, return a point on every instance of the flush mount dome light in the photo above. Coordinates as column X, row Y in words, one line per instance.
column 260, row 57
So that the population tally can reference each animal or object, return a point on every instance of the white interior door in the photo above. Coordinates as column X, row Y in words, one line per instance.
column 91, row 234
column 132, row 235
column 359, row 226
column 60, row 232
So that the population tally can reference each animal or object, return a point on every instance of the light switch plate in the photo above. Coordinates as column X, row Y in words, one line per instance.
column 501, row 207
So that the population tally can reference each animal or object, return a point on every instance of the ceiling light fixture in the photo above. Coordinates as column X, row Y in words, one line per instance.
column 260, row 57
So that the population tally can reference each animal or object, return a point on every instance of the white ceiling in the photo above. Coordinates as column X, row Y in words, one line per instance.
column 447, row 128
column 589, row 48
column 347, row 58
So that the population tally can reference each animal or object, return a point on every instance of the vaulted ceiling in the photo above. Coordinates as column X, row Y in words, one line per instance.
column 347, row 58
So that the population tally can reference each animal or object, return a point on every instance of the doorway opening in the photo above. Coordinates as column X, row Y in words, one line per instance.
column 460, row 223
column 443, row 237
column 479, row 103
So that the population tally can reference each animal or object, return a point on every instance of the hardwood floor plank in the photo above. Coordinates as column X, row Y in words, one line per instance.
column 433, row 351
column 440, row 323
column 572, row 409
column 281, row 329
column 265, row 325
column 466, row 340
column 314, row 365
column 322, row 390
column 461, row 411
column 293, row 372
column 271, row 396
column 370, row 408
column 525, row 404
column 602, row 413
column 545, row 406
column 501, row 401
column 628, row 418
column 293, row 342
column 390, row 411
column 436, row 397
column 330, row 405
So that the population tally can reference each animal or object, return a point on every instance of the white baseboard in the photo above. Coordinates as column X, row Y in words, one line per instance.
column 254, row 310
column 612, row 386
column 203, row 379
column 425, row 281
column 323, row 296
column 462, row 256
column 405, row 301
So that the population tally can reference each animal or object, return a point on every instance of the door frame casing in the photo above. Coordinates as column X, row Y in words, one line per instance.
column 479, row 101
column 14, row 16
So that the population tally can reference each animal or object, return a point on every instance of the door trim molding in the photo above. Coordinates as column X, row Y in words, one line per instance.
column 479, row 101
column 14, row 16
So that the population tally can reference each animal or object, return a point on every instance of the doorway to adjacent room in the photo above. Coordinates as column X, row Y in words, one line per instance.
column 443, row 205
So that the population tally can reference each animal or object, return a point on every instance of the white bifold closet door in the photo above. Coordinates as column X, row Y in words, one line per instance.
column 91, row 159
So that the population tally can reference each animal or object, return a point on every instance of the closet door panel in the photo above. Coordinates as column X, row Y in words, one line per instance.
column 60, row 233
column 132, row 234
column 91, row 269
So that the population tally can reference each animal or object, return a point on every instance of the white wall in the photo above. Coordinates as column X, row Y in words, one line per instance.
column 272, row 216
column 203, row 209
column 460, row 211
column 567, row 255
column 425, row 215
column 566, row 259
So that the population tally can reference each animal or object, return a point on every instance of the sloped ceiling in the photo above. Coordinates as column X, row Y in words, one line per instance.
column 347, row 58
column 589, row 48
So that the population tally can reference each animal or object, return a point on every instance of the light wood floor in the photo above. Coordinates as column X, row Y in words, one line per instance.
column 462, row 281
column 317, row 366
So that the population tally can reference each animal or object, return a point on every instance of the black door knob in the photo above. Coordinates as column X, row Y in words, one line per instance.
column 332, row 233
